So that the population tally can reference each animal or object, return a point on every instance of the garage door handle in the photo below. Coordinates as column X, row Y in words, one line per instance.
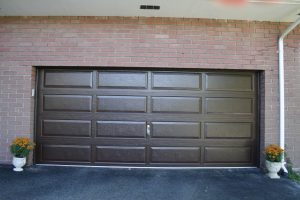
column 148, row 130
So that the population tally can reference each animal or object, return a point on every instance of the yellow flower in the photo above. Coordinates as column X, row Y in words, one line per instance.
column 273, row 151
column 23, row 143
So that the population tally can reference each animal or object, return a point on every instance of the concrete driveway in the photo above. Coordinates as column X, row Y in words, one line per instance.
column 72, row 183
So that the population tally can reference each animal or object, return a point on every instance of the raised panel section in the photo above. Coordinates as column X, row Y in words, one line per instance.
column 171, row 80
column 229, row 105
column 122, row 104
column 228, row 130
column 71, row 153
column 175, row 154
column 69, row 128
column 67, row 103
column 227, row 154
column 122, row 79
column 123, row 129
column 120, row 154
column 175, row 130
column 176, row 104
column 229, row 82
column 68, row 79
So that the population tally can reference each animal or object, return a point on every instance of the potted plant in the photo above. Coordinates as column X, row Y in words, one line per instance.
column 273, row 160
column 20, row 148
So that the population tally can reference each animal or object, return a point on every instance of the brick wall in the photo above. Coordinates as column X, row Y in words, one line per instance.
column 16, row 116
column 293, row 97
column 143, row 42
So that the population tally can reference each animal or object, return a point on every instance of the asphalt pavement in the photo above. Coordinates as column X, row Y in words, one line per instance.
column 82, row 183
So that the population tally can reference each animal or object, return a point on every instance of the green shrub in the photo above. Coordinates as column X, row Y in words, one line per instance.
column 293, row 175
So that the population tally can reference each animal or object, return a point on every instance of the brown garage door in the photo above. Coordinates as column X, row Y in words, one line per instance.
column 146, row 118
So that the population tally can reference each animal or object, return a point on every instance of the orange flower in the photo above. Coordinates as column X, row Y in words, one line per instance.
column 273, row 153
column 21, row 147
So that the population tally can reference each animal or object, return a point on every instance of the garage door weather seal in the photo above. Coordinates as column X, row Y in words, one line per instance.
column 136, row 167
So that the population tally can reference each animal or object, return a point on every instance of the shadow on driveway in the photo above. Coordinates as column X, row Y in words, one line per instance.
column 72, row 183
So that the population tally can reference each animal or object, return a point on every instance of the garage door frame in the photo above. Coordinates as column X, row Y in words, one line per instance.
column 256, row 111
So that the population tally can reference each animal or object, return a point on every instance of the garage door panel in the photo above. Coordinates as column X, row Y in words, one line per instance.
column 121, row 104
column 73, row 153
column 124, row 129
column 171, row 80
column 229, row 82
column 68, row 79
column 176, row 130
column 175, row 154
column 120, row 154
column 117, row 79
column 69, row 103
column 176, row 104
column 70, row 128
column 228, row 130
column 186, row 142
column 228, row 154
column 229, row 105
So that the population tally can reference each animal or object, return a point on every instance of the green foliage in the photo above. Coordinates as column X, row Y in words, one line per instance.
column 274, row 158
column 21, row 147
column 293, row 175
column 19, row 152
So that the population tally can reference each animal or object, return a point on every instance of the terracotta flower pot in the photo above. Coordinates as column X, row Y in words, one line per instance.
column 273, row 168
column 18, row 163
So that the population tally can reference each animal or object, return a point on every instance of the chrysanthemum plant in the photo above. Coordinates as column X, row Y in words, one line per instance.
column 273, row 153
column 20, row 147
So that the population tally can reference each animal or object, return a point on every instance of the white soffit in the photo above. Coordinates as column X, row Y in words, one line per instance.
column 274, row 10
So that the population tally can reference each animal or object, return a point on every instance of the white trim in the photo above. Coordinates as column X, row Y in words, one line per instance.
column 253, row 10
